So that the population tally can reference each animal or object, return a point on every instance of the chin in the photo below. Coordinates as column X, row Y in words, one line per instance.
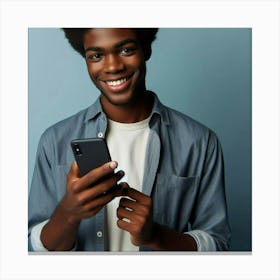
column 120, row 99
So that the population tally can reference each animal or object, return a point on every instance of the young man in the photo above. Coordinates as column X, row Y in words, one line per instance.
column 168, row 167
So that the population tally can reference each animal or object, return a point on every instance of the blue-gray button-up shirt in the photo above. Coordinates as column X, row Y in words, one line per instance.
column 183, row 174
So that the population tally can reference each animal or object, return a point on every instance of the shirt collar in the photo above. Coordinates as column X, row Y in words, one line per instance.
column 94, row 110
column 158, row 110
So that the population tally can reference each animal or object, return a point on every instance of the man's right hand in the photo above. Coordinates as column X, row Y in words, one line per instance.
column 85, row 197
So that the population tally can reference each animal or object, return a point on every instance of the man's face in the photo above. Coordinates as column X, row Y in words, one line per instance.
column 116, row 64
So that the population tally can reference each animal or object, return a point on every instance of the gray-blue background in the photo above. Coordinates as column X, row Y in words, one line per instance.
column 203, row 72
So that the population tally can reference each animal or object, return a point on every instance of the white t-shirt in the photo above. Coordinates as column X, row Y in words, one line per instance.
column 127, row 145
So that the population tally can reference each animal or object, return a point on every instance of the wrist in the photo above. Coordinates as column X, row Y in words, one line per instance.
column 59, row 234
column 154, row 243
column 65, row 217
column 166, row 239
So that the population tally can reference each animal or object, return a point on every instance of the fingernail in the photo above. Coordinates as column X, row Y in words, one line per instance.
column 113, row 164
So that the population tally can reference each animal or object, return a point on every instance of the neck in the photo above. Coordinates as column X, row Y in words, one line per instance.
column 137, row 111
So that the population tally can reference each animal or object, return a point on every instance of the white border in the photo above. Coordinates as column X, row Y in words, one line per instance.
column 262, row 16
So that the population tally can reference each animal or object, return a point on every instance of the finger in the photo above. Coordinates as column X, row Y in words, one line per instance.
column 130, row 204
column 101, row 188
column 128, row 221
column 123, row 213
column 95, row 175
column 73, row 173
column 99, row 202
column 124, row 225
column 131, row 215
column 136, row 195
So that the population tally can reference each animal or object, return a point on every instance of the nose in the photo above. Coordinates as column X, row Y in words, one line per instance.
column 113, row 64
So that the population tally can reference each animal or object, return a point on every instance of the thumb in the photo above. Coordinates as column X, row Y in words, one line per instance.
column 74, row 171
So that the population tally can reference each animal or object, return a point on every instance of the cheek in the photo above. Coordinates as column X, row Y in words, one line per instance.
column 142, row 69
column 92, row 70
column 139, row 63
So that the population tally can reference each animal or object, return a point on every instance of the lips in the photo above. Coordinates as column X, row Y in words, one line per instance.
column 118, row 84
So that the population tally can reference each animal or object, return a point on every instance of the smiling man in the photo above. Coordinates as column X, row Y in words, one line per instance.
column 168, row 167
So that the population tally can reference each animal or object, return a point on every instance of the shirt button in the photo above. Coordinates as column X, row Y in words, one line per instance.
column 100, row 135
column 99, row 234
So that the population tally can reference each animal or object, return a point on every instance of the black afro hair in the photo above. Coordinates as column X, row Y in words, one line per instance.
column 146, row 36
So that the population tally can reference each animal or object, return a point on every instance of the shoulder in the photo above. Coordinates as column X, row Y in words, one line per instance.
column 65, row 128
column 184, row 124
column 177, row 125
column 185, row 132
column 177, row 121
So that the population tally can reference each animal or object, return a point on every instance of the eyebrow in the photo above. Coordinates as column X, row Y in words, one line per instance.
column 117, row 45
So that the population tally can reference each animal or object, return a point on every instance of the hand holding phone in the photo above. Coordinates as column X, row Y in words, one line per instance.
column 90, row 181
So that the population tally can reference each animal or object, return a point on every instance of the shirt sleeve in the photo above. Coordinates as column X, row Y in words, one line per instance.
column 209, row 214
column 204, row 241
column 43, row 195
column 35, row 237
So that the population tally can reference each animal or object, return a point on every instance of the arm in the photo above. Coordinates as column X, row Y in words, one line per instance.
column 210, row 230
column 169, row 240
column 209, row 212
column 135, row 216
column 79, row 202
column 50, row 200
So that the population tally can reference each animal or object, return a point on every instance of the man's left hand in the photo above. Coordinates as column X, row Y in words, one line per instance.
column 135, row 215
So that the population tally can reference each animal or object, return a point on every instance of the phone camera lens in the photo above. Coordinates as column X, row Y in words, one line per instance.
column 77, row 150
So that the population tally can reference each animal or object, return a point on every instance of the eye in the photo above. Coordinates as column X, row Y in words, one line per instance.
column 127, row 51
column 95, row 57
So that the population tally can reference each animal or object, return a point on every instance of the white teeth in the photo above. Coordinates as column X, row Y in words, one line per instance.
column 116, row 83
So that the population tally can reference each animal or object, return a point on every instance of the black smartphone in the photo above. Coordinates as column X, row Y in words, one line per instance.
column 90, row 153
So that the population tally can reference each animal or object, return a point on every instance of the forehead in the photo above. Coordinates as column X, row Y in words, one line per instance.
column 107, row 37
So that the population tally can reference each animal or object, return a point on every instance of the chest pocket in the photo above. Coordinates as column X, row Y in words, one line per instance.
column 173, row 199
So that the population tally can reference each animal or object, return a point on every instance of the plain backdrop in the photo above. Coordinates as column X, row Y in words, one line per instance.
column 202, row 72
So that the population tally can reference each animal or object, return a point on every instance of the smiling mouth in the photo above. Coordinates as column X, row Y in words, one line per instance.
column 116, row 83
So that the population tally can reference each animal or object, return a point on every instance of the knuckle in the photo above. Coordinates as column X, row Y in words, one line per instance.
column 88, row 208
column 92, row 176
column 111, row 182
column 91, row 207
column 149, row 202
column 80, row 200
column 108, row 184
column 122, row 201
column 142, row 220
column 145, row 212
column 75, row 186
column 103, row 187
column 135, row 229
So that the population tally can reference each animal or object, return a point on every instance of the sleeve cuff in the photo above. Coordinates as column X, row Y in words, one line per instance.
column 35, row 238
column 205, row 242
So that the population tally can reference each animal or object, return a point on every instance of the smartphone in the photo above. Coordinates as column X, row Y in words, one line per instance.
column 90, row 153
